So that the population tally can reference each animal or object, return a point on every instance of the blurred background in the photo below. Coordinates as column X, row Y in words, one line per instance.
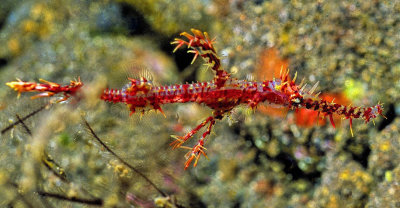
column 272, row 157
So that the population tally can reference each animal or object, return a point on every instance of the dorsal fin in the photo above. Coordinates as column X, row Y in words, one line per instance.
column 137, row 71
column 130, row 69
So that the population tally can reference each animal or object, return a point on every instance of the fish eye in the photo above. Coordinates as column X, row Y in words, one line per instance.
column 296, row 100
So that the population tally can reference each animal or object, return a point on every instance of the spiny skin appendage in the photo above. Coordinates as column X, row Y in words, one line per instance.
column 201, row 45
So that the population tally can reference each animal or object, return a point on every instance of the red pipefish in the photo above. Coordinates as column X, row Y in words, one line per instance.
column 222, row 94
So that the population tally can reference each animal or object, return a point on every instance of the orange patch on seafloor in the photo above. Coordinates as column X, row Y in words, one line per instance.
column 308, row 118
column 269, row 67
column 270, row 64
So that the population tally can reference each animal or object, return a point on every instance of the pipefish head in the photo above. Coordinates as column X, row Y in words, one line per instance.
column 271, row 92
column 289, row 88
